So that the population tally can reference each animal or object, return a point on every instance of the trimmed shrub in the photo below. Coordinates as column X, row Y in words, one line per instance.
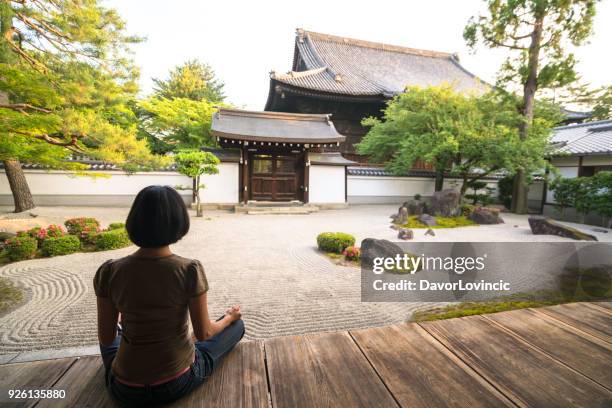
column 352, row 253
column 116, row 225
column 467, row 209
column 63, row 245
column 334, row 242
column 82, row 227
column 21, row 247
column 112, row 239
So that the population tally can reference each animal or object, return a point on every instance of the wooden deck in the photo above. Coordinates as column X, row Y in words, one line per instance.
column 555, row 356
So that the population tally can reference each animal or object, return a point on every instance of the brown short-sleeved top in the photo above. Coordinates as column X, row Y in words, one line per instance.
column 152, row 295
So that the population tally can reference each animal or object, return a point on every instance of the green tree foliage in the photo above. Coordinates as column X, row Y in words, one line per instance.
column 194, row 164
column 179, row 123
column 178, row 115
column 65, row 80
column 537, row 33
column 193, row 80
column 585, row 194
column 465, row 135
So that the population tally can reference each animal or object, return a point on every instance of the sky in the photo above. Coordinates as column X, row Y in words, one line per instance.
column 244, row 40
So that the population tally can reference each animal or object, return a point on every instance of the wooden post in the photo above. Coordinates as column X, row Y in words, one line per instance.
column 306, row 175
column 245, row 173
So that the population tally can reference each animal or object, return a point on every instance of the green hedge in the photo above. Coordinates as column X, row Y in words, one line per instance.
column 585, row 194
column 334, row 242
column 112, row 239
column 65, row 245
column 21, row 247
column 116, row 225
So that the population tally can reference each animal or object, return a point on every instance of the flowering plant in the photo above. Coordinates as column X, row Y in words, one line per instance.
column 55, row 231
column 352, row 253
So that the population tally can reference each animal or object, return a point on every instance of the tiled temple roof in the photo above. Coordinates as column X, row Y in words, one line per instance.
column 347, row 66
column 274, row 127
column 590, row 138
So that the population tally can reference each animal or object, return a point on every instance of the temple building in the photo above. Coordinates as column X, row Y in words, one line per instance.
column 353, row 79
column 280, row 158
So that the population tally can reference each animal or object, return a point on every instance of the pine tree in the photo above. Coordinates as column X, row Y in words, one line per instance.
column 536, row 33
column 65, row 80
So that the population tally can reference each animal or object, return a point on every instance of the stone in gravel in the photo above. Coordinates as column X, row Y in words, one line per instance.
column 485, row 216
column 545, row 226
column 430, row 232
column 402, row 216
column 427, row 220
column 405, row 234
column 4, row 235
column 445, row 203
column 600, row 230
column 415, row 207
column 378, row 248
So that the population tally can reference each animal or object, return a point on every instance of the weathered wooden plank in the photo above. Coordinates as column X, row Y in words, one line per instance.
column 589, row 319
column 84, row 386
column 582, row 352
column 607, row 305
column 239, row 381
column 37, row 375
column 324, row 370
column 529, row 376
column 420, row 372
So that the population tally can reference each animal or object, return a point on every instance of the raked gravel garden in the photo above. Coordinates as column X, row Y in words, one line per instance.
column 269, row 264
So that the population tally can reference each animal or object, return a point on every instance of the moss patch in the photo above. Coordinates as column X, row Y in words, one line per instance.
column 9, row 295
column 512, row 302
column 339, row 259
column 443, row 222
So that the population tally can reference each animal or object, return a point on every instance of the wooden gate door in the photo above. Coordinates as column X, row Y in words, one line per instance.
column 276, row 176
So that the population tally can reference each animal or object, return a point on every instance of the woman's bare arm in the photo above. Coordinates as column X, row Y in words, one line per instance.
column 107, row 321
column 203, row 327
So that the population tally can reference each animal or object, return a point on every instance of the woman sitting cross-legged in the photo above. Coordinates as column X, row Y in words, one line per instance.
column 150, row 356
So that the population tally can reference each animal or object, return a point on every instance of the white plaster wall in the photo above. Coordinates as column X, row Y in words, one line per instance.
column 373, row 186
column 326, row 184
column 220, row 188
column 374, row 189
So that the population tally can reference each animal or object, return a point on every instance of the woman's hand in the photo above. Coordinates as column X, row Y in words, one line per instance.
column 234, row 313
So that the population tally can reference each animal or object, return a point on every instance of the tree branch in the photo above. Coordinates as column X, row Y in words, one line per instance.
column 24, row 107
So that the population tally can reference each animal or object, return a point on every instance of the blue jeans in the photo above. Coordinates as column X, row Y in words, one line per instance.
column 208, row 354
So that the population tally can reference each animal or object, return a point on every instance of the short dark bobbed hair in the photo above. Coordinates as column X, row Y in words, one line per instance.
column 158, row 217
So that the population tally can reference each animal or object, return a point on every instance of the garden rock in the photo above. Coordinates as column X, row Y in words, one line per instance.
column 401, row 217
column 485, row 216
column 415, row 207
column 445, row 203
column 545, row 226
column 430, row 232
column 374, row 248
column 405, row 234
column 427, row 220
column 4, row 235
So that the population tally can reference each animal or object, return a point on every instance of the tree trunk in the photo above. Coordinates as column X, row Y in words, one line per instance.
column 19, row 185
column 197, row 195
column 439, row 180
column 519, row 190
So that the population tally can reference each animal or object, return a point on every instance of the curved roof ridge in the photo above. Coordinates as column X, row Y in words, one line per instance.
column 298, row 74
column 584, row 124
column 370, row 44
column 318, row 117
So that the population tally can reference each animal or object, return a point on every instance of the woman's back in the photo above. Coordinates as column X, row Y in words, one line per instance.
column 152, row 295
